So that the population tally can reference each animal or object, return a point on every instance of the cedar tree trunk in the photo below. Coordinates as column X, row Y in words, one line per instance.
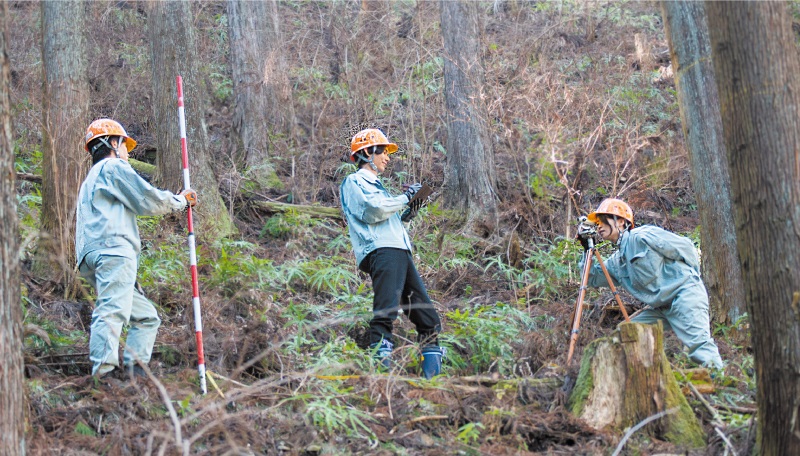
column 469, row 170
column 12, row 390
column 757, row 69
column 173, row 53
column 65, row 116
column 687, row 33
column 263, row 105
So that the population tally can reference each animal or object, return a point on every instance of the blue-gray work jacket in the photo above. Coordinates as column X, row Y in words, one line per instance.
column 653, row 265
column 372, row 215
column 110, row 198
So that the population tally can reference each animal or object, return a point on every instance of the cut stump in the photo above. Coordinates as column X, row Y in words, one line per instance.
column 625, row 378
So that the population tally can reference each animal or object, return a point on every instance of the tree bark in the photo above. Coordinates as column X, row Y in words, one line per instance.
column 687, row 32
column 263, row 105
column 65, row 112
column 12, row 391
column 758, row 78
column 173, row 53
column 625, row 378
column 469, row 171
column 757, row 69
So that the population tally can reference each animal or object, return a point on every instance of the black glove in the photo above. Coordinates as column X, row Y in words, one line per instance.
column 408, row 214
column 412, row 190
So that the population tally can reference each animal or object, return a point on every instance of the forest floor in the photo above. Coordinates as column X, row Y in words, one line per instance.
column 285, row 347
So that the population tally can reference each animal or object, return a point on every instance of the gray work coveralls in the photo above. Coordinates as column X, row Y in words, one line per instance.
column 107, row 245
column 662, row 270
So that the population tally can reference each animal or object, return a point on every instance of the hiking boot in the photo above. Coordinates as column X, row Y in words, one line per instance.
column 382, row 353
column 431, row 361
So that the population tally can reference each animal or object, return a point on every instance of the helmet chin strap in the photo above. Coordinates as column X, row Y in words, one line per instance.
column 368, row 160
column 107, row 144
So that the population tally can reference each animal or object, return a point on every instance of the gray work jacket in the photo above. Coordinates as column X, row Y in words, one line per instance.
column 652, row 264
column 372, row 215
column 110, row 198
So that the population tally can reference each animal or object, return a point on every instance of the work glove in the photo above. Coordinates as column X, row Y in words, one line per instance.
column 412, row 190
column 408, row 214
column 191, row 196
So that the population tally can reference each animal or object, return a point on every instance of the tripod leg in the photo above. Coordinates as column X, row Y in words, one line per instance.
column 576, row 319
column 611, row 285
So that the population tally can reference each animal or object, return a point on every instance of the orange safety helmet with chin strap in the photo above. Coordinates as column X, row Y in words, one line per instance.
column 107, row 127
column 368, row 138
column 612, row 206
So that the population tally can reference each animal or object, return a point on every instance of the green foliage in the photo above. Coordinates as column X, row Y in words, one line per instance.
column 221, row 84
column 332, row 415
column 469, row 433
column 82, row 428
column 166, row 265
column 484, row 336
column 290, row 224
column 330, row 274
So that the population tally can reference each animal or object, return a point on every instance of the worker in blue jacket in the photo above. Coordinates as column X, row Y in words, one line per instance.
column 383, row 250
column 660, row 269
column 107, row 245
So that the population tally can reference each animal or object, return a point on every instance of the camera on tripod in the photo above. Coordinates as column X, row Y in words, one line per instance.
column 586, row 228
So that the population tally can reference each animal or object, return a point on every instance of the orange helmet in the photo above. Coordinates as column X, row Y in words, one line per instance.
column 612, row 206
column 107, row 127
column 368, row 138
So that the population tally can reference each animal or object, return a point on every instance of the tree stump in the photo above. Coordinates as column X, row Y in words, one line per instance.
column 625, row 378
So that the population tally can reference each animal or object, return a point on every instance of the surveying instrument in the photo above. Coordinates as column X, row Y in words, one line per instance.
column 587, row 231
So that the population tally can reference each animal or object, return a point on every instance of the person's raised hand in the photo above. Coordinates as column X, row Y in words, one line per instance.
column 412, row 190
column 190, row 195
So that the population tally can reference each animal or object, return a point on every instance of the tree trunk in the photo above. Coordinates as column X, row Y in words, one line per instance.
column 12, row 393
column 173, row 53
column 687, row 32
column 65, row 113
column 757, row 69
column 263, row 105
column 625, row 378
column 469, row 171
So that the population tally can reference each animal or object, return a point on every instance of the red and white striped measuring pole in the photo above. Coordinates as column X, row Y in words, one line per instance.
column 198, row 320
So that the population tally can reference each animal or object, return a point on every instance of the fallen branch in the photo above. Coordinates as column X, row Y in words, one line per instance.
column 708, row 406
column 313, row 211
column 35, row 178
column 728, row 443
column 644, row 423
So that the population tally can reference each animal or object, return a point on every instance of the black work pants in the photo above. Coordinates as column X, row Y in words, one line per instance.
column 397, row 284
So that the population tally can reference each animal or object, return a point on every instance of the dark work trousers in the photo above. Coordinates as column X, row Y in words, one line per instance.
column 397, row 284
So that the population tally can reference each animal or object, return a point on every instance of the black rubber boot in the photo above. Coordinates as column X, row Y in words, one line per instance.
column 431, row 361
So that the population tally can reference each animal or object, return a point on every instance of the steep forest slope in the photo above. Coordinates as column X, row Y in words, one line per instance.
column 582, row 106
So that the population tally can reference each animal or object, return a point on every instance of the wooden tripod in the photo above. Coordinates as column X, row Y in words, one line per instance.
column 576, row 320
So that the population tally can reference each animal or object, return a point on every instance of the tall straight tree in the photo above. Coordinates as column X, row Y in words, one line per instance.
column 469, row 174
column 757, row 70
column 687, row 33
column 173, row 53
column 65, row 112
column 12, row 391
column 261, row 88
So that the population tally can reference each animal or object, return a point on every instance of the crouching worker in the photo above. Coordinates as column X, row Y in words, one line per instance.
column 383, row 250
column 660, row 269
column 107, row 246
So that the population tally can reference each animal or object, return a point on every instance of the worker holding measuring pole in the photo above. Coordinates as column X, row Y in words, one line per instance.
column 107, row 244
column 660, row 269
column 383, row 250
